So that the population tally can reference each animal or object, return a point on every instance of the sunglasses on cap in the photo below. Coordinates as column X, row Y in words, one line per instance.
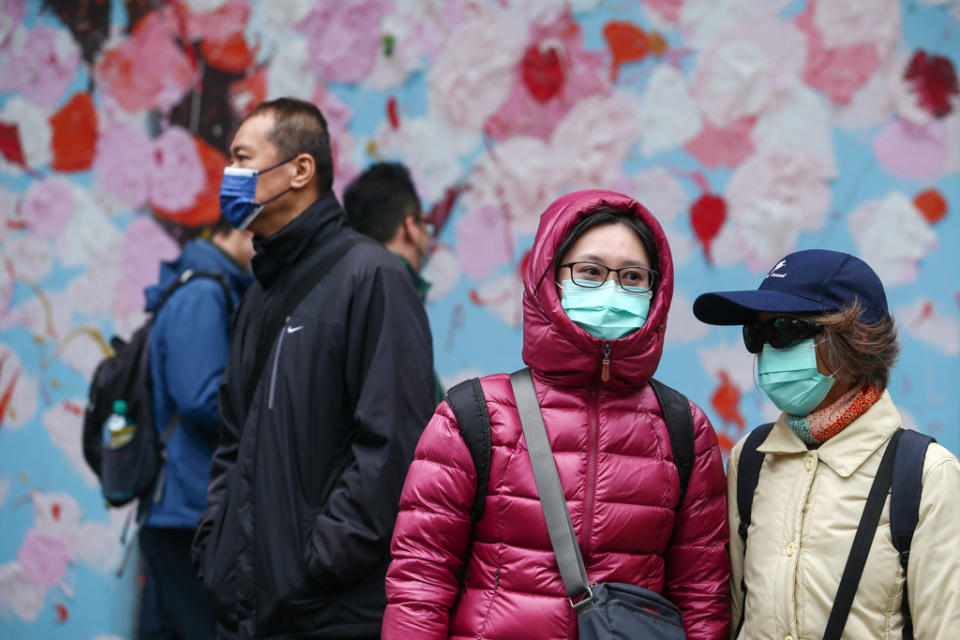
column 779, row 332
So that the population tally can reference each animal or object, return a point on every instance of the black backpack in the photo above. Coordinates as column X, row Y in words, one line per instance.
column 907, row 450
column 132, row 470
column 469, row 405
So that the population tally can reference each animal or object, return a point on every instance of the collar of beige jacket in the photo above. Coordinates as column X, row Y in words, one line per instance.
column 846, row 451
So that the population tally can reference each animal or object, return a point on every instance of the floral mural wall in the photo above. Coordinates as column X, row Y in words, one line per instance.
column 751, row 128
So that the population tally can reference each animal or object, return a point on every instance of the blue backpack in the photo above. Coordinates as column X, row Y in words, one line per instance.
column 902, row 467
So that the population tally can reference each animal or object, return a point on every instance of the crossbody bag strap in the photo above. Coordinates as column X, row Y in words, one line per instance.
column 554, row 505
column 862, row 542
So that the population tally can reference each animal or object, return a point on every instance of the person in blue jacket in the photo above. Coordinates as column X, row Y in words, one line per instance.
column 189, row 346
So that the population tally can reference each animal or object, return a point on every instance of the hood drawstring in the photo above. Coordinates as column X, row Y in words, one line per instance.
column 605, row 371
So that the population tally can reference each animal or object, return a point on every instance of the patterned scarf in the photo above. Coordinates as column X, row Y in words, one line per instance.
column 820, row 426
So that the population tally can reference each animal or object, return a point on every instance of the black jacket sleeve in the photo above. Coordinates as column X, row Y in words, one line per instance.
column 389, row 381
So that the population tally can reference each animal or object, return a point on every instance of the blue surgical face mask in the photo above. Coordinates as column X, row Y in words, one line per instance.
column 607, row 312
column 790, row 377
column 238, row 190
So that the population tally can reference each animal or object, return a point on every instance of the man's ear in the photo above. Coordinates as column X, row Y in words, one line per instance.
column 410, row 224
column 305, row 171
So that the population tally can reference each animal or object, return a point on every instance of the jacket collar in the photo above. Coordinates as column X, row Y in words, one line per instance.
column 321, row 219
column 846, row 451
column 199, row 255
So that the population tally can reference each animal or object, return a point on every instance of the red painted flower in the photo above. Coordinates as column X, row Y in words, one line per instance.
column 934, row 80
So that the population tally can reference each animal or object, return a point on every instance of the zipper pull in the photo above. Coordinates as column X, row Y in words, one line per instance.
column 605, row 371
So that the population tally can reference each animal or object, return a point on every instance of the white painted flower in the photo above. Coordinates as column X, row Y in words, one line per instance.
column 731, row 358
column 668, row 114
column 924, row 322
column 771, row 198
column 435, row 166
column 18, row 595
column 800, row 124
column 682, row 325
column 892, row 236
column 472, row 74
column 442, row 271
column 748, row 70
column 33, row 125
column 87, row 233
column 64, row 426
column 23, row 400
column 288, row 73
column 844, row 23
column 702, row 21
column 30, row 256
column 660, row 192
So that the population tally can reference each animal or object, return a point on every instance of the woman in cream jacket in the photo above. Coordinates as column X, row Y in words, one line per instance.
column 825, row 341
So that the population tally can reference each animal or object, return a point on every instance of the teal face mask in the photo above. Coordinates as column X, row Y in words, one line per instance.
column 607, row 312
column 790, row 377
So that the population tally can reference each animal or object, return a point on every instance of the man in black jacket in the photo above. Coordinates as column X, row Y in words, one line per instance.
column 320, row 418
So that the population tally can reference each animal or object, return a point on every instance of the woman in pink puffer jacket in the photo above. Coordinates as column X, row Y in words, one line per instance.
column 610, row 444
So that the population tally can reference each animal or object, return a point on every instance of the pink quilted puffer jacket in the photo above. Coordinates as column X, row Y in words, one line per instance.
column 614, row 457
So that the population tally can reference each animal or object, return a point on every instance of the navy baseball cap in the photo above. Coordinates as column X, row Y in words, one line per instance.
column 811, row 281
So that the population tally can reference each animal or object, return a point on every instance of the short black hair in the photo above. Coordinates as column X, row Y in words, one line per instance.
column 379, row 199
column 220, row 226
column 605, row 215
column 299, row 127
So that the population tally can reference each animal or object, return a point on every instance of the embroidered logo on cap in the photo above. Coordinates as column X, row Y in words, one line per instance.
column 773, row 272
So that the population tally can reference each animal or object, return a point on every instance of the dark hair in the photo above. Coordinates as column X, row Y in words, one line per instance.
column 220, row 226
column 379, row 199
column 299, row 127
column 861, row 353
column 606, row 215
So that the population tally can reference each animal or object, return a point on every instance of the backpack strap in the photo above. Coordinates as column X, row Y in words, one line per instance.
column 862, row 542
column 748, row 474
column 905, row 505
column 189, row 275
column 675, row 409
column 295, row 295
column 469, row 405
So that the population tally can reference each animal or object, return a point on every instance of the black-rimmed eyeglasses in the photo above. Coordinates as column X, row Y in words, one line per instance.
column 630, row 279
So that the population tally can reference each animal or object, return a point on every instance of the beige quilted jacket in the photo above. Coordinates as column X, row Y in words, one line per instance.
column 805, row 514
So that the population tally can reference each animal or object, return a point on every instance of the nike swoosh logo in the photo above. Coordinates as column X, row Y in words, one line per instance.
column 294, row 329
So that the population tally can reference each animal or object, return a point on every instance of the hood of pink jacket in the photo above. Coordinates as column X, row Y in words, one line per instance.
column 557, row 349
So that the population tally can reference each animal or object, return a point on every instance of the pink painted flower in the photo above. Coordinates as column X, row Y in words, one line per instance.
column 344, row 38
column 122, row 165
column 747, row 70
column 148, row 70
column 910, row 150
column 178, row 175
column 484, row 242
column 10, row 19
column 44, row 66
column 47, row 206
column 771, row 198
column 723, row 146
column 145, row 246
column 44, row 558
column 556, row 64
column 839, row 72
